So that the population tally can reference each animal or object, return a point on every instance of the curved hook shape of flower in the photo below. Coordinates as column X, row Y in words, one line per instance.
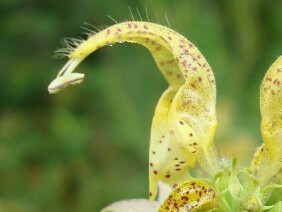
column 184, row 122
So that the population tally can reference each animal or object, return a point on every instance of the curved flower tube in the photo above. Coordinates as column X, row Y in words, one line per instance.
column 184, row 125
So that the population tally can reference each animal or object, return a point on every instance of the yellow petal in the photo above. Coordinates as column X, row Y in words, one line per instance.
column 181, row 118
column 169, row 157
column 271, row 125
column 194, row 195
column 193, row 118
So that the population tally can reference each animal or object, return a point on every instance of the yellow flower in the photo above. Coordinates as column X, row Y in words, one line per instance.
column 184, row 124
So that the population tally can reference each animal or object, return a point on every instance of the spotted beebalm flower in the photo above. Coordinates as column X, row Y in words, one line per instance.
column 182, row 153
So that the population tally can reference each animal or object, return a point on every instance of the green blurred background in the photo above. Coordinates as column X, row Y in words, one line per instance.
column 87, row 146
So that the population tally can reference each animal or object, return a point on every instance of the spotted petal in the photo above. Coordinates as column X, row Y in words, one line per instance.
column 270, row 156
column 194, row 195
column 193, row 117
column 169, row 157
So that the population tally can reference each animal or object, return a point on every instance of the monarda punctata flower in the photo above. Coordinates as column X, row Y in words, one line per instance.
column 184, row 126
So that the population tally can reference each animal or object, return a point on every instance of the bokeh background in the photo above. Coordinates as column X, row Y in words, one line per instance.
column 88, row 146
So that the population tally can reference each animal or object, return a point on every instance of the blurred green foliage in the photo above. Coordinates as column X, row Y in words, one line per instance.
column 87, row 146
